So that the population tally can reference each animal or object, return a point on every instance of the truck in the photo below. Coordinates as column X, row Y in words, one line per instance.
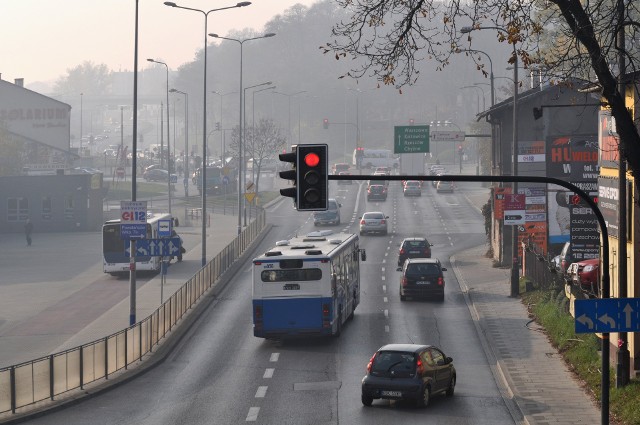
column 412, row 164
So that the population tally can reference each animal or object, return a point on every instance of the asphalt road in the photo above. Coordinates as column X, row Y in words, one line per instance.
column 221, row 374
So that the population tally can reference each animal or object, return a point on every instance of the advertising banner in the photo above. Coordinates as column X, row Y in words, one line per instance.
column 585, row 238
column 607, row 140
column 608, row 203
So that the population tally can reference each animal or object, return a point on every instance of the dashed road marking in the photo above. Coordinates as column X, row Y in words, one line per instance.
column 252, row 416
column 268, row 373
column 262, row 391
column 274, row 357
column 386, row 328
column 384, row 288
column 386, row 300
column 386, row 313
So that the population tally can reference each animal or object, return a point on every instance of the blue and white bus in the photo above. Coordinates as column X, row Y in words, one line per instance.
column 114, row 259
column 306, row 286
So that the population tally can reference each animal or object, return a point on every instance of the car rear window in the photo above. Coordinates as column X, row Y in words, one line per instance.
column 333, row 205
column 372, row 216
column 413, row 183
column 394, row 363
column 376, row 188
column 422, row 269
column 414, row 244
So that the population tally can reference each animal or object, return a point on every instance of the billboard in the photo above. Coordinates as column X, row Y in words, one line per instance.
column 35, row 117
column 608, row 201
column 608, row 140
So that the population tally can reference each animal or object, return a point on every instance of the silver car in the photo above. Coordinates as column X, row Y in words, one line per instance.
column 412, row 188
column 373, row 222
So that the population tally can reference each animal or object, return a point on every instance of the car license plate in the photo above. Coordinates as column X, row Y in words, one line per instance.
column 423, row 282
column 414, row 252
column 391, row 393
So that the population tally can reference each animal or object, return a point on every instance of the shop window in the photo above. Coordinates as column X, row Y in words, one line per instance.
column 46, row 208
column 69, row 207
column 17, row 209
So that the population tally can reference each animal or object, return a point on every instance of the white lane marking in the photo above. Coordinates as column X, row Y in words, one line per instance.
column 386, row 253
column 386, row 314
column 384, row 288
column 386, row 328
column 386, row 300
column 262, row 391
column 268, row 373
column 388, row 248
column 384, row 261
column 383, row 269
column 390, row 240
column 252, row 416
column 383, row 277
column 274, row 357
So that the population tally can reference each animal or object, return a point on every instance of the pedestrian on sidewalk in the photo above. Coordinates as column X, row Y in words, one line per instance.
column 28, row 229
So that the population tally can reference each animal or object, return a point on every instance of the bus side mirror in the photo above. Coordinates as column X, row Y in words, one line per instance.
column 363, row 255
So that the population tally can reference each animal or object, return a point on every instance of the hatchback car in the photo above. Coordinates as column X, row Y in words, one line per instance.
column 377, row 192
column 444, row 186
column 414, row 248
column 373, row 222
column 384, row 170
column 408, row 372
column 422, row 277
column 344, row 173
column 330, row 216
column 412, row 188
column 156, row 175
column 587, row 276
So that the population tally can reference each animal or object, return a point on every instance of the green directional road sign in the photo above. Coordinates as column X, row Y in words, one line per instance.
column 411, row 139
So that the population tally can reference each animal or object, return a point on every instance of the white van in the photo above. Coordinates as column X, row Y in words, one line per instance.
column 372, row 158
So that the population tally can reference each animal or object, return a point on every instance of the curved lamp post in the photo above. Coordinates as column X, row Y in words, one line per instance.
column 203, row 171
column 240, row 171
column 186, row 140
column 168, row 143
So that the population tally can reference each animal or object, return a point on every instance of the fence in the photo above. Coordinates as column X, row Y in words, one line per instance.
column 541, row 271
column 45, row 378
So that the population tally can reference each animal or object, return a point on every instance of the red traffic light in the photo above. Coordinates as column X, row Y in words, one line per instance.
column 312, row 159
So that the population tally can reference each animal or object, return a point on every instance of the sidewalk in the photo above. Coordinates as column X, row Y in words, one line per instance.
column 540, row 389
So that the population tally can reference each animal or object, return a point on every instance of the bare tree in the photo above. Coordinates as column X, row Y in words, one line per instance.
column 261, row 143
column 389, row 37
column 87, row 78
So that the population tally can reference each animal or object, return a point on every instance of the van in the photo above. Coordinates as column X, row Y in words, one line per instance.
column 330, row 216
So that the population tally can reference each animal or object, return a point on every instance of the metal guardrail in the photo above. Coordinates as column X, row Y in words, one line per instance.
column 47, row 377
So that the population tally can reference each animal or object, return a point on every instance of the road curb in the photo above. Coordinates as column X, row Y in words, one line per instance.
column 502, row 379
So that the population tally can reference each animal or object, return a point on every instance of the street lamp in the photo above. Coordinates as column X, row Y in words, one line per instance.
column 240, row 172
column 168, row 142
column 493, row 97
column 222, row 137
column 203, row 170
column 515, row 272
column 289, row 96
column 186, row 140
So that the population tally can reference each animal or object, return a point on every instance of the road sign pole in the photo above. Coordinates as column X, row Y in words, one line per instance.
column 132, row 282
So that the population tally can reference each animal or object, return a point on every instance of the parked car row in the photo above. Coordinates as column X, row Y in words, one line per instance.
column 583, row 275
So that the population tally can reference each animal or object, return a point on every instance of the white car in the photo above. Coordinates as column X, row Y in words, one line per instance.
column 373, row 222
column 412, row 188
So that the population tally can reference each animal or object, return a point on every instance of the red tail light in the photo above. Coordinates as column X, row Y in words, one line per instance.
column 371, row 363
column 402, row 251
column 404, row 281
column 419, row 367
column 427, row 252
column 440, row 281
column 363, row 222
column 383, row 221
column 325, row 310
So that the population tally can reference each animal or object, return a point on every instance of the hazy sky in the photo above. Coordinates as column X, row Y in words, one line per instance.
column 41, row 39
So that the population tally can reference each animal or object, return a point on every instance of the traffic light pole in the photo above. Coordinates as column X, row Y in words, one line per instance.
column 604, row 251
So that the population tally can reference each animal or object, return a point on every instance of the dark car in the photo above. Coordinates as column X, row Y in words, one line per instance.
column 156, row 175
column 408, row 372
column 414, row 248
column 422, row 277
column 330, row 216
column 377, row 192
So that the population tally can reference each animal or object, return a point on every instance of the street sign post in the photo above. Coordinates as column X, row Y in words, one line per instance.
column 156, row 247
column 514, row 209
column 447, row 136
column 164, row 228
column 606, row 315
column 133, row 219
column 411, row 139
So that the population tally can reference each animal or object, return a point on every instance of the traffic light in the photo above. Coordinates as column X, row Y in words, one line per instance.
column 325, row 123
column 313, row 177
column 411, row 121
column 309, row 174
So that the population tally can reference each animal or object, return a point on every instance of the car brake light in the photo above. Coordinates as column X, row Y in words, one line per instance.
column 325, row 310
column 419, row 368
column 371, row 363
column 404, row 281
column 440, row 281
column 402, row 251
column 427, row 252
column 382, row 221
column 363, row 222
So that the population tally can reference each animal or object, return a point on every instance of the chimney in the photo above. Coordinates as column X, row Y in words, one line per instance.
column 19, row 82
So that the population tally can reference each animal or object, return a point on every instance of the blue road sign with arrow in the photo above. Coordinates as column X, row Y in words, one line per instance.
column 156, row 247
column 607, row 315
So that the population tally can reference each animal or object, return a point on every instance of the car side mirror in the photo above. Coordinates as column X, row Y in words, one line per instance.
column 449, row 360
column 444, row 269
column 360, row 217
column 363, row 255
column 340, row 205
column 430, row 244
column 386, row 216
column 399, row 269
